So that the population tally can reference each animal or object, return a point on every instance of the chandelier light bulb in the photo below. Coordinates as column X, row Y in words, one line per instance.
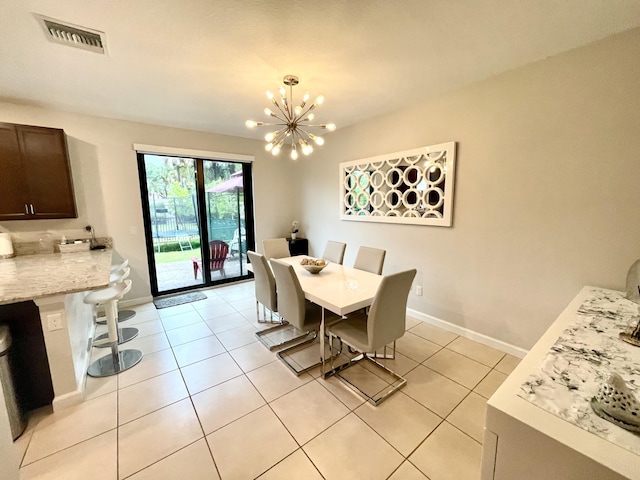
column 250, row 124
column 298, row 110
column 306, row 148
column 315, row 138
column 305, row 99
column 330, row 126
column 268, row 146
column 270, row 136
column 319, row 100
column 283, row 92
column 310, row 117
column 269, row 95
column 276, row 150
column 294, row 152
column 269, row 113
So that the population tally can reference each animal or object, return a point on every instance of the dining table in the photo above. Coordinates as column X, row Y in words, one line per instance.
column 336, row 288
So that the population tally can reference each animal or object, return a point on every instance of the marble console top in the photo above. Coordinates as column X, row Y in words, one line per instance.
column 582, row 359
column 33, row 276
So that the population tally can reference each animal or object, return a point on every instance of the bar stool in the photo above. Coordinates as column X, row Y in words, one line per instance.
column 124, row 334
column 123, row 315
column 119, row 360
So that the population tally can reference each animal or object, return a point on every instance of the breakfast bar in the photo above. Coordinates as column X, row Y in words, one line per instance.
column 57, row 284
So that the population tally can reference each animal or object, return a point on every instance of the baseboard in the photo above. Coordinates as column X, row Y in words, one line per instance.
column 60, row 402
column 470, row 334
column 132, row 302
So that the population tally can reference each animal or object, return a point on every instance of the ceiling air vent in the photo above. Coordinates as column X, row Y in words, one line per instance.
column 65, row 33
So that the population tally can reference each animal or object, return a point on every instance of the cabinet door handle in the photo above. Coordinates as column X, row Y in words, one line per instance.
column 32, row 209
column 26, row 209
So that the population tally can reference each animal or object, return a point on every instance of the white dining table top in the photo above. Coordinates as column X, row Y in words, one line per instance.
column 337, row 288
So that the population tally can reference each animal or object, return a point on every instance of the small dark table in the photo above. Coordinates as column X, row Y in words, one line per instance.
column 298, row 246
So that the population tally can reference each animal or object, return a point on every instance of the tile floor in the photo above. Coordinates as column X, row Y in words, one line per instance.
column 210, row 402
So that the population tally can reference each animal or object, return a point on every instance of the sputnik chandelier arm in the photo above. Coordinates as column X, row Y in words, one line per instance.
column 292, row 122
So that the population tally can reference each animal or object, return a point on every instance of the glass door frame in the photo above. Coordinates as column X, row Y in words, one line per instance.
column 201, row 217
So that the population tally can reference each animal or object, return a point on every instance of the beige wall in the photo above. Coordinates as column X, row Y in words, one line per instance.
column 547, row 190
column 105, row 175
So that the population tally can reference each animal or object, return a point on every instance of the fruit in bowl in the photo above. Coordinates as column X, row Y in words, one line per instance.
column 313, row 265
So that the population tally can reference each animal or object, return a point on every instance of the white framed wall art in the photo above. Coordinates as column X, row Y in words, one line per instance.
column 413, row 186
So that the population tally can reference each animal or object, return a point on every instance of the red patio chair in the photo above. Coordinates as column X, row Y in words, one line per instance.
column 218, row 251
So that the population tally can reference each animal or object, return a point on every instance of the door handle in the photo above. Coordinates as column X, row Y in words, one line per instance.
column 26, row 209
column 32, row 209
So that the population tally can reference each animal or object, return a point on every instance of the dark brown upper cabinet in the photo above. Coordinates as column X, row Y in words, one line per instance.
column 35, row 175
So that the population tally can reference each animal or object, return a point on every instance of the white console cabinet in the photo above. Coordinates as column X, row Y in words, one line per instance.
column 524, row 441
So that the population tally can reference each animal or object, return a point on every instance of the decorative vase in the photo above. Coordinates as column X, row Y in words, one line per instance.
column 294, row 235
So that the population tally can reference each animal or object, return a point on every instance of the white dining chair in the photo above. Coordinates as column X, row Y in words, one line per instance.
column 302, row 314
column 275, row 248
column 334, row 251
column 369, row 333
column 282, row 333
column 370, row 259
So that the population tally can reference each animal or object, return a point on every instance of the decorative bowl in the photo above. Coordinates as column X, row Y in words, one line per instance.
column 311, row 267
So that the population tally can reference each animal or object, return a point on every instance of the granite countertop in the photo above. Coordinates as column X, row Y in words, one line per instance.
column 27, row 277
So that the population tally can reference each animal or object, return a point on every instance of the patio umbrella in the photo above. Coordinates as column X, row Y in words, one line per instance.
column 234, row 184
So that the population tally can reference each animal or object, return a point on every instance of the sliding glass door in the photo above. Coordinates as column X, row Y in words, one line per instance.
column 198, row 220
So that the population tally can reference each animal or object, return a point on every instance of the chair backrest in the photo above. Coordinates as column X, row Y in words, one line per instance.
column 265, row 282
column 291, row 302
column 334, row 251
column 219, row 251
column 275, row 248
column 370, row 259
column 388, row 312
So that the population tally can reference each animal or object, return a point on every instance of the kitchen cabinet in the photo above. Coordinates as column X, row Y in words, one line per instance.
column 35, row 175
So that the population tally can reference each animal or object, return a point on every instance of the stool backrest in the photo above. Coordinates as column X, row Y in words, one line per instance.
column 119, row 276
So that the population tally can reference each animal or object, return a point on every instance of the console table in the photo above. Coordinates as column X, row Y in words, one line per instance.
column 534, row 438
column 298, row 246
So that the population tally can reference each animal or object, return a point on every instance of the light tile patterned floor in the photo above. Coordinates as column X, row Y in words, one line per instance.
column 208, row 401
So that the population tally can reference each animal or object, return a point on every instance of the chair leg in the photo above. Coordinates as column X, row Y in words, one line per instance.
column 287, row 352
column 392, row 386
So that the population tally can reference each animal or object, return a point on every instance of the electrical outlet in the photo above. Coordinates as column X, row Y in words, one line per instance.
column 54, row 321
column 419, row 290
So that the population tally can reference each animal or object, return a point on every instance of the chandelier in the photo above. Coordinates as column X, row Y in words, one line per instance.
column 291, row 122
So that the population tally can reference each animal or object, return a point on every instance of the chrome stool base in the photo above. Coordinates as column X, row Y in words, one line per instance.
column 124, row 335
column 114, row 364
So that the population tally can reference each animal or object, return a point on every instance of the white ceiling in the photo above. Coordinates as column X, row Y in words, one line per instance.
column 205, row 64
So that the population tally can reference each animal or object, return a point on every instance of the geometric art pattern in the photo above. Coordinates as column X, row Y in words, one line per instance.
column 413, row 186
